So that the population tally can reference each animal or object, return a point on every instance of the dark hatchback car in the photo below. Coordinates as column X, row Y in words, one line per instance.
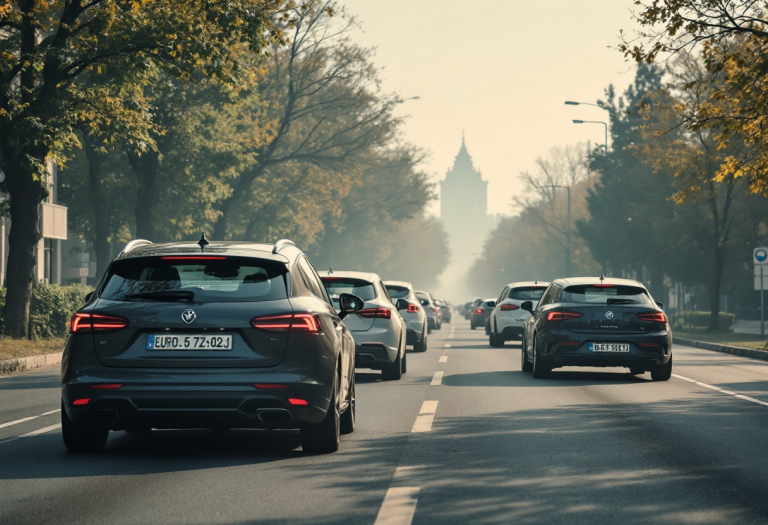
column 481, row 313
column 597, row 322
column 220, row 335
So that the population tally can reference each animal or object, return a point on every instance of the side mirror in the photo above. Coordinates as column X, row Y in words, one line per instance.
column 88, row 296
column 349, row 304
column 425, row 302
column 402, row 304
column 527, row 306
column 660, row 305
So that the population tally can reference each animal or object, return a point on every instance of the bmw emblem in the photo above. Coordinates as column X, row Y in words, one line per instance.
column 608, row 314
column 188, row 316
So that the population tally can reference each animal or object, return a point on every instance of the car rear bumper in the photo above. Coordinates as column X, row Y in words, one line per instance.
column 572, row 349
column 512, row 332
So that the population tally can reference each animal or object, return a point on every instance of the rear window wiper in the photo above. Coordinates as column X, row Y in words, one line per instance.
column 623, row 301
column 175, row 295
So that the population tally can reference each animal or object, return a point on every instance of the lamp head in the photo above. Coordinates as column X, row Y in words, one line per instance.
column 578, row 122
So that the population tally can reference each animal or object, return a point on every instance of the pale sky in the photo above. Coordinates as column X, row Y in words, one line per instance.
column 501, row 69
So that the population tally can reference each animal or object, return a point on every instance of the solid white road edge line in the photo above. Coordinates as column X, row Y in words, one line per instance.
column 718, row 389
column 443, row 358
column 398, row 507
column 437, row 379
column 426, row 417
column 33, row 433
column 25, row 419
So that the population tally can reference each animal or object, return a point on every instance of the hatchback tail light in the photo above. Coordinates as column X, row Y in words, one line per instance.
column 562, row 316
column 479, row 311
column 657, row 317
column 302, row 323
column 431, row 308
column 412, row 309
column 375, row 313
column 507, row 307
column 84, row 323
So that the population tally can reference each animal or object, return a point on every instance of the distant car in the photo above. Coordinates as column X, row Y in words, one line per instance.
column 378, row 329
column 431, row 308
column 597, row 322
column 468, row 307
column 209, row 335
column 416, row 324
column 507, row 318
column 481, row 313
column 445, row 308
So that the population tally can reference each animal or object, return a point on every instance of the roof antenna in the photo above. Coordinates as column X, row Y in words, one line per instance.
column 203, row 242
column 602, row 278
column 536, row 281
column 330, row 270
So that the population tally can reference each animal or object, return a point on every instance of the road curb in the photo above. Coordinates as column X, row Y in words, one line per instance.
column 761, row 355
column 34, row 362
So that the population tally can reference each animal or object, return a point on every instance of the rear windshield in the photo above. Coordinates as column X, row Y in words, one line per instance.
column 423, row 298
column 606, row 294
column 532, row 293
column 359, row 287
column 219, row 279
column 398, row 292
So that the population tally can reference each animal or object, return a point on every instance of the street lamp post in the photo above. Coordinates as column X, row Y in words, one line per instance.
column 573, row 103
column 567, row 230
column 596, row 122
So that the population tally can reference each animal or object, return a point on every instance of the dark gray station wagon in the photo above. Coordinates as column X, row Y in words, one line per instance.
column 209, row 335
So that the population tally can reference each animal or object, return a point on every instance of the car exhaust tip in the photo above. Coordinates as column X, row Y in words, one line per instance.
column 272, row 416
column 104, row 416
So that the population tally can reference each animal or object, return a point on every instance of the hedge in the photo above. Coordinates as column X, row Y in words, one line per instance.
column 51, row 308
column 701, row 320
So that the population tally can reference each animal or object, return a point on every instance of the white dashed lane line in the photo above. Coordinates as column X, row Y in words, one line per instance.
column 447, row 345
column 426, row 417
column 33, row 433
column 437, row 379
column 722, row 390
column 398, row 507
column 25, row 419
column 443, row 358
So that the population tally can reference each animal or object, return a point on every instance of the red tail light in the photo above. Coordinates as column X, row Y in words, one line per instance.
column 412, row 309
column 83, row 323
column 303, row 323
column 479, row 311
column 270, row 386
column 431, row 308
column 375, row 313
column 298, row 402
column 107, row 386
column 602, row 286
column 657, row 317
column 562, row 316
column 507, row 307
column 80, row 402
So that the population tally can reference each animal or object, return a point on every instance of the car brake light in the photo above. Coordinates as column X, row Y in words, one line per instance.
column 562, row 316
column 479, row 311
column 107, row 386
column 270, row 386
column 83, row 323
column 431, row 308
column 658, row 317
column 298, row 402
column 412, row 309
column 304, row 323
column 80, row 402
column 375, row 313
column 507, row 307
column 602, row 286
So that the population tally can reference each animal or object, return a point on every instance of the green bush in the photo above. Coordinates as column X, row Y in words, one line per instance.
column 701, row 320
column 51, row 308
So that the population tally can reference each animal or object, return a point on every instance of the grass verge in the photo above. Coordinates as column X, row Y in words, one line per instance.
column 11, row 348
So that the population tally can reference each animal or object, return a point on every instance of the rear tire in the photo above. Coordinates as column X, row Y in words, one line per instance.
column 525, row 365
column 540, row 371
column 662, row 372
column 79, row 437
column 421, row 346
column 472, row 325
column 348, row 419
column 405, row 361
column 394, row 371
column 495, row 340
column 324, row 437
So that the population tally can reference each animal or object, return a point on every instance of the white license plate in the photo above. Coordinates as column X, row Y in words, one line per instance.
column 189, row 342
column 608, row 347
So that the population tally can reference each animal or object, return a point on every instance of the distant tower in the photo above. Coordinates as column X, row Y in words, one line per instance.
column 464, row 210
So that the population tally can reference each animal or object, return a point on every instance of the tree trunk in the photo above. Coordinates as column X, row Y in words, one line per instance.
column 146, row 167
column 101, row 243
column 714, row 290
column 25, row 194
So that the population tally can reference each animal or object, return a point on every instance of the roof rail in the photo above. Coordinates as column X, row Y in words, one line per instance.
column 133, row 244
column 281, row 243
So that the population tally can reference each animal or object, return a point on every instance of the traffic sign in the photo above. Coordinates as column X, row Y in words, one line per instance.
column 760, row 255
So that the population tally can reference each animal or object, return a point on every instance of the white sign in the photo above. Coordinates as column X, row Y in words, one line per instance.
column 761, row 277
column 760, row 255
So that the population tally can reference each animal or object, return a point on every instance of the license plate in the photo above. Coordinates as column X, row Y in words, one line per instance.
column 608, row 347
column 189, row 342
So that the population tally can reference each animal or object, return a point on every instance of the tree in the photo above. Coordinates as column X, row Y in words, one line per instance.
column 45, row 47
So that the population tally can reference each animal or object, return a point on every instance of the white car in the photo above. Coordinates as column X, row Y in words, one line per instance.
column 507, row 318
column 415, row 317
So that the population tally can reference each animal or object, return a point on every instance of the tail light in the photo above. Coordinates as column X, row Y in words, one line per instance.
column 412, row 309
column 657, row 317
column 562, row 316
column 602, row 286
column 507, row 307
column 107, row 386
column 376, row 313
column 431, row 308
column 84, row 323
column 302, row 323
column 479, row 311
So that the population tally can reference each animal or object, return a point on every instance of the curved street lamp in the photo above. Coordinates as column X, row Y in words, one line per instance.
column 596, row 122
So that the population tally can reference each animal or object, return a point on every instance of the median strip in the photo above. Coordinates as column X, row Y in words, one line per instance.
column 722, row 390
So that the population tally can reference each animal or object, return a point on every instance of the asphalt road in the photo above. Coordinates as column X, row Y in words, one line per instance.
column 480, row 443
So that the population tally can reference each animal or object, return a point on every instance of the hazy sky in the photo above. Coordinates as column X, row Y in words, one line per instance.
column 502, row 70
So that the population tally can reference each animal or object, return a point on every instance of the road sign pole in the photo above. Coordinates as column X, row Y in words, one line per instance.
column 762, row 303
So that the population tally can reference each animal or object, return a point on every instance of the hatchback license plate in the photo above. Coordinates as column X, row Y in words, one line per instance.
column 189, row 342
column 608, row 347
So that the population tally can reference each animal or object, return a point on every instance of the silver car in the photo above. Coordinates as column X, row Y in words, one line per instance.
column 431, row 308
column 378, row 329
column 415, row 317
column 507, row 318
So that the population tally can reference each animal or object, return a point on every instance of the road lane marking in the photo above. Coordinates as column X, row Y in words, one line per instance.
column 447, row 345
column 33, row 433
column 25, row 419
column 399, row 506
column 443, row 358
column 437, row 379
column 426, row 417
column 721, row 390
